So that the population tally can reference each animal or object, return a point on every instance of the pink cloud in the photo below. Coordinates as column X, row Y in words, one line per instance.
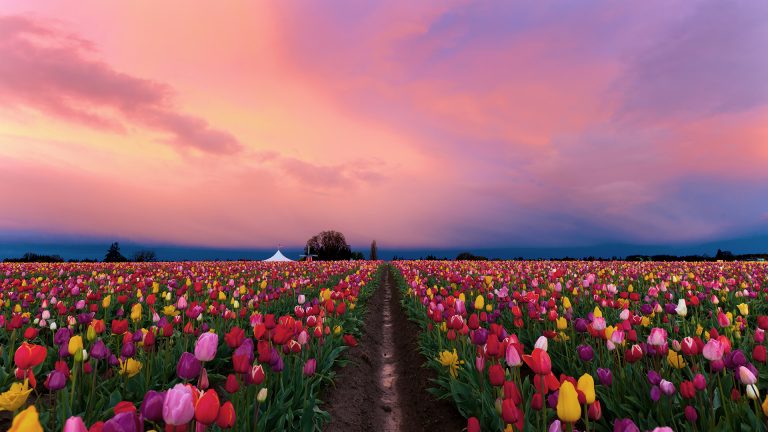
column 59, row 74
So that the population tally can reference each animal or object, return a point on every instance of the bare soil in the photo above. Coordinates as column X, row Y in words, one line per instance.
column 383, row 388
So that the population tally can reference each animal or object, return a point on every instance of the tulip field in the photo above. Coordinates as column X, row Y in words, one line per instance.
column 174, row 346
column 598, row 346
column 515, row 345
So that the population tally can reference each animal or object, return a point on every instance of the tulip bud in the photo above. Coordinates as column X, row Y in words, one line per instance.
column 262, row 395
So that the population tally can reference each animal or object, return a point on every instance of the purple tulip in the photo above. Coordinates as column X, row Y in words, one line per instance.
column 99, row 351
column 129, row 350
column 123, row 422
column 552, row 399
column 188, row 367
column 605, row 376
column 138, row 336
column 480, row 336
column 625, row 425
column 152, row 406
column 55, row 381
column 655, row 393
column 586, row 354
column 278, row 366
column 580, row 325
column 113, row 361
column 654, row 377
column 62, row 336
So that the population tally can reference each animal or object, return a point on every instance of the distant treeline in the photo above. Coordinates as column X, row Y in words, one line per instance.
column 719, row 256
column 33, row 257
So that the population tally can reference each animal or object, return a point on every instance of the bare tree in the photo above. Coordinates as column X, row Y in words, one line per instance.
column 374, row 251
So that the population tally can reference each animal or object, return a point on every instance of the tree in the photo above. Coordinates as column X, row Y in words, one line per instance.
column 114, row 255
column 374, row 251
column 329, row 246
column 145, row 256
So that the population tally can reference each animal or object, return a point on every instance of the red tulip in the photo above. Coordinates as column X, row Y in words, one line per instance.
column 119, row 327
column 226, row 417
column 235, row 337
column 231, row 386
column 759, row 353
column 29, row 355
column 257, row 374
column 509, row 411
column 349, row 340
column 207, row 407
column 595, row 410
column 473, row 424
column 123, row 407
column 512, row 392
column 496, row 375
column 30, row 333
column 538, row 361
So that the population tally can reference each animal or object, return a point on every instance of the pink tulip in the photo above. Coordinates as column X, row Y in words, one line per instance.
column 658, row 337
column 713, row 350
column 178, row 407
column 206, row 345
column 75, row 424
column 512, row 356
column 746, row 376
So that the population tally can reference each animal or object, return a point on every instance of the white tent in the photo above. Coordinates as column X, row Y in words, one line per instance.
column 278, row 256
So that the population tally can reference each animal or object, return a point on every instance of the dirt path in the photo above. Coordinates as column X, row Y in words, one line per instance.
column 384, row 386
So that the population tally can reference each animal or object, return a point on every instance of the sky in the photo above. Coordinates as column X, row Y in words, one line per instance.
column 427, row 124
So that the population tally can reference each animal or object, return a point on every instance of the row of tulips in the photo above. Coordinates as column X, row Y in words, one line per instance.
column 603, row 346
column 175, row 346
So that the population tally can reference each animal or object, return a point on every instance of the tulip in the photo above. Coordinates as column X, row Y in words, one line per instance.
column 743, row 309
column 509, row 412
column 152, row 406
column 625, row 425
column 26, row 421
column 28, row 355
column 130, row 367
column 496, row 375
column 764, row 407
column 188, row 367
column 585, row 352
column 206, row 345
column 681, row 308
column 658, row 337
column 257, row 374
column 713, row 350
column 75, row 345
column 752, row 392
column 667, row 387
column 15, row 397
column 746, row 376
column 226, row 416
column 568, row 408
column 178, row 406
column 605, row 376
column 538, row 361
column 586, row 385
column 512, row 356
column 55, row 381
column 473, row 424
column 75, row 424
column 207, row 407
column 691, row 414
column 231, row 385
column 541, row 343
column 759, row 354
column 309, row 367
column 479, row 303
column 261, row 396
column 595, row 411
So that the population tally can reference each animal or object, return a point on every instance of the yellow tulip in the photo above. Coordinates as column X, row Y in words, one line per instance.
column 566, row 303
column 765, row 406
column 743, row 309
column 222, row 296
column 263, row 284
column 568, row 408
column 136, row 312
column 75, row 344
column 15, row 397
column 675, row 360
column 130, row 367
column 562, row 324
column 170, row 310
column 597, row 312
column 479, row 302
column 489, row 280
column 586, row 385
column 450, row 360
column 26, row 421
column 106, row 302
column 90, row 334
